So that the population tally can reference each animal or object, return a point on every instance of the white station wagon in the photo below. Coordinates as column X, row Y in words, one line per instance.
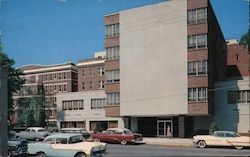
column 66, row 145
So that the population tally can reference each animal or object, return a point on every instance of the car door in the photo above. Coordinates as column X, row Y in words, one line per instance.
column 62, row 148
column 218, row 139
column 232, row 139
column 46, row 147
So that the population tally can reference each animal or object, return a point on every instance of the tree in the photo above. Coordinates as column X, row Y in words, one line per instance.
column 245, row 40
column 213, row 128
column 98, row 127
column 14, row 80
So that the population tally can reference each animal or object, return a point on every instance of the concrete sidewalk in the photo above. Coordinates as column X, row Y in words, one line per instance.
column 174, row 142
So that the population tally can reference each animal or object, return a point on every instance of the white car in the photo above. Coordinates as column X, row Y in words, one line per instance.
column 33, row 133
column 66, row 145
column 222, row 138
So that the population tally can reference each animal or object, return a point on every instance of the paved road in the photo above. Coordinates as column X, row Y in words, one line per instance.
column 144, row 150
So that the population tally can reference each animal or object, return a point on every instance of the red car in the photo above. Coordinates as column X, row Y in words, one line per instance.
column 116, row 135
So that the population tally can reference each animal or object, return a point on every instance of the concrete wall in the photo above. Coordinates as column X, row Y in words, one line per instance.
column 87, row 114
column 235, row 117
column 153, row 60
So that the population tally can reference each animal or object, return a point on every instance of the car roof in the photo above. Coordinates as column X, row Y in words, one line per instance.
column 36, row 128
column 63, row 135
column 67, row 129
column 225, row 132
column 117, row 129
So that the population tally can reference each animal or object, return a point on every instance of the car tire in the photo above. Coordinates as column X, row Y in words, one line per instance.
column 40, row 154
column 238, row 147
column 123, row 142
column 80, row 155
column 201, row 144
column 96, row 140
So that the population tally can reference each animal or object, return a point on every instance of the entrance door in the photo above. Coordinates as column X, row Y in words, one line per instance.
column 162, row 126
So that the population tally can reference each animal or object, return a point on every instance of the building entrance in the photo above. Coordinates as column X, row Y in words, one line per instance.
column 162, row 127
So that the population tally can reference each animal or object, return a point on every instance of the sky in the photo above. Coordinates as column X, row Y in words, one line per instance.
column 58, row 31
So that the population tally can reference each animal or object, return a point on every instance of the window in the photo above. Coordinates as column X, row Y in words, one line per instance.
column 238, row 96
column 197, row 16
column 101, row 84
column 197, row 94
column 90, row 85
column 64, row 87
column 101, row 71
column 55, row 89
column 113, row 98
column 83, row 73
column 50, row 113
column 113, row 76
column 83, row 85
column 50, row 140
column 113, row 53
column 197, row 68
column 112, row 30
column 97, row 103
column 90, row 72
column 237, row 57
column 197, row 41
column 72, row 105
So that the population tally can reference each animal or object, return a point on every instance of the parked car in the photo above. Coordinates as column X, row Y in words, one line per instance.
column 222, row 138
column 116, row 135
column 33, row 133
column 66, row 145
column 16, row 146
column 82, row 131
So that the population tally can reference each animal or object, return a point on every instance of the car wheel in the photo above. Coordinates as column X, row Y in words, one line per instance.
column 238, row 147
column 80, row 155
column 201, row 144
column 41, row 154
column 123, row 142
column 96, row 140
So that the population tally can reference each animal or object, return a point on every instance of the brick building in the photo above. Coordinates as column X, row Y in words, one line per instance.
column 52, row 79
column 162, row 62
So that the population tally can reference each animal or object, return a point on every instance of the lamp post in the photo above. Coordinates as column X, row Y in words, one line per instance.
column 3, row 112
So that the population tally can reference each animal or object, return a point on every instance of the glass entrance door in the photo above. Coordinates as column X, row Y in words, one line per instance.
column 162, row 127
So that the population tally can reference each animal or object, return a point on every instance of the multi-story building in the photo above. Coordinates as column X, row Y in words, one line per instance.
column 161, row 64
column 87, row 106
column 232, row 110
column 91, row 73
column 52, row 79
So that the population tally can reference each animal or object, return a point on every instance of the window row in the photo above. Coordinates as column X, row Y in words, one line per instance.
column 113, row 76
column 113, row 53
column 54, row 88
column 55, row 76
column 238, row 96
column 101, row 72
column 197, row 94
column 197, row 41
column 100, row 85
column 197, row 68
column 50, row 99
column 73, row 105
column 112, row 30
column 113, row 99
column 197, row 16
column 98, row 103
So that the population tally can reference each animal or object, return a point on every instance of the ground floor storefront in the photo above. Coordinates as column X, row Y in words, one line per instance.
column 178, row 126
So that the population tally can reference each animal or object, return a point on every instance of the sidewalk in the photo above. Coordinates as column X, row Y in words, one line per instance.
column 174, row 142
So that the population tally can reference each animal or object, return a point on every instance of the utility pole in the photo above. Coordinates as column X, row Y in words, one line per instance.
column 3, row 112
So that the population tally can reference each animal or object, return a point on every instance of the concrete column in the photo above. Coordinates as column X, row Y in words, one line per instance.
column 181, row 126
column 3, row 112
column 87, row 125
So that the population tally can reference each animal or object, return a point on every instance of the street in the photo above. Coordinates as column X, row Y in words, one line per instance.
column 116, row 150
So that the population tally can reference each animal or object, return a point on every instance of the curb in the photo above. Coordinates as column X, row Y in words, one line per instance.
column 171, row 145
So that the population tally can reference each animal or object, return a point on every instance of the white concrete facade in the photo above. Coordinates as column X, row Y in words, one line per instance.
column 234, row 117
column 153, row 60
column 87, row 114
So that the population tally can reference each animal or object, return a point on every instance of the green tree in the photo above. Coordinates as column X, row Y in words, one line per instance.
column 245, row 40
column 14, row 80
column 213, row 128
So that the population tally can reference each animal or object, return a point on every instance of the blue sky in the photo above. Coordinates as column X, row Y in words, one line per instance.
column 57, row 31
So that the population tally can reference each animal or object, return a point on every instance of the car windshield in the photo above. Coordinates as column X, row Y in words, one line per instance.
column 127, row 132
